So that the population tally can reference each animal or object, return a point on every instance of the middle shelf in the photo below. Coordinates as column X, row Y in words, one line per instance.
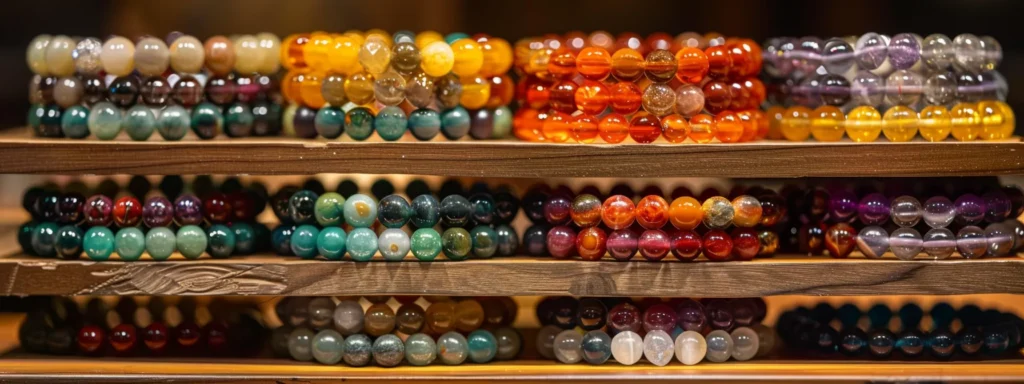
column 267, row 274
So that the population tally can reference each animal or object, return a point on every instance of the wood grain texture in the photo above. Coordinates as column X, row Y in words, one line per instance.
column 25, row 154
column 59, row 370
column 274, row 275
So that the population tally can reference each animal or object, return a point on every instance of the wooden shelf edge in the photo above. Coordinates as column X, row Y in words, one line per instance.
column 254, row 156
column 264, row 370
column 520, row 276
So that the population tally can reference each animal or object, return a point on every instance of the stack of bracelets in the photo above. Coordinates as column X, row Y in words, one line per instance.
column 689, row 330
column 423, row 83
column 67, row 224
column 968, row 333
column 330, row 224
column 586, row 226
column 451, row 332
column 58, row 326
column 825, row 220
column 691, row 86
column 900, row 87
column 87, row 87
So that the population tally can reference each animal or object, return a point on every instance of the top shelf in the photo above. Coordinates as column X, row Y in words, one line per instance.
column 24, row 154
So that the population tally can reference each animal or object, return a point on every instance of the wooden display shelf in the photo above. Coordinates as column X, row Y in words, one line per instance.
column 23, row 153
column 51, row 369
column 521, row 276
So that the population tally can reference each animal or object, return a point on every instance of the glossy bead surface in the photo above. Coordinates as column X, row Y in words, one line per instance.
column 659, row 347
column 873, row 241
column 906, row 243
column 906, row 211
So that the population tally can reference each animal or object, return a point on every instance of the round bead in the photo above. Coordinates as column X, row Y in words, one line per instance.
column 219, row 55
column 188, row 91
column 594, row 63
column 627, row 65
column 905, row 243
column 906, row 211
column 124, row 91
column 75, row 122
column 692, row 65
column 904, row 51
column 718, row 212
column 438, row 59
column 864, row 124
column 187, row 55
column 59, row 55
column 660, row 66
column 151, row 56
column 938, row 212
column 248, row 55
column 645, row 128
column 390, row 123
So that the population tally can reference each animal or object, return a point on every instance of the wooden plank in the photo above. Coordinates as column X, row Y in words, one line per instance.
column 521, row 276
column 25, row 154
column 59, row 370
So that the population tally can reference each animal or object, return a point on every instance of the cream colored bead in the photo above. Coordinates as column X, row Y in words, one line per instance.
column 35, row 56
column 60, row 59
column 270, row 44
column 248, row 55
column 187, row 55
column 152, row 56
column 118, row 56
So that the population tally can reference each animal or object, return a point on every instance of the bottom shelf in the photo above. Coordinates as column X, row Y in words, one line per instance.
column 36, row 368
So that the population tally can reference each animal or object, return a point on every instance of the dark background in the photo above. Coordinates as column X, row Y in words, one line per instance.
column 21, row 20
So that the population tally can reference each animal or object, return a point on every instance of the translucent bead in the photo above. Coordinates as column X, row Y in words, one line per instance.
column 867, row 89
column 873, row 241
column 939, row 212
column 359, row 88
column 906, row 243
column 87, row 56
column 438, row 59
column 809, row 49
column 965, row 121
column 594, row 64
column 448, row 91
column 828, row 123
column 968, row 86
column 939, row 243
column 333, row 90
column 934, row 123
column 420, row 90
column 692, row 65
column 937, row 52
column 993, row 53
column 476, row 91
column 728, row 128
column 405, row 58
column 997, row 120
column 905, row 211
column 702, row 128
column 863, row 124
column 904, row 51
column 796, row 123
column 968, row 52
column 613, row 128
column 562, row 64
column 675, row 128
column 871, row 50
column 899, row 123
column 389, row 88
column 375, row 55
column 903, row 87
column 592, row 97
column 626, row 98
column 659, row 99
column 838, row 56
column 834, row 89
column 940, row 88
column 627, row 65
column 971, row 242
column 563, row 95
column 644, row 128
column 118, row 56
column 1000, row 239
